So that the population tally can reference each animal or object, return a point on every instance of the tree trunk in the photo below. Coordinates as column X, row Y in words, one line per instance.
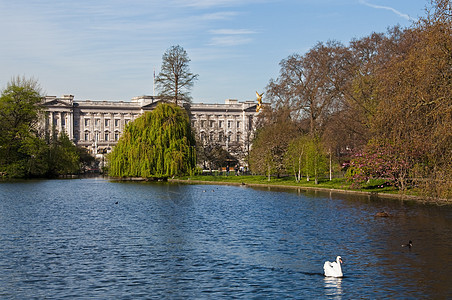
column 299, row 166
column 331, row 168
column 315, row 173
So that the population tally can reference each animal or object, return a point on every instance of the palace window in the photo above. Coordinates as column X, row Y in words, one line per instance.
column 238, row 124
column 107, row 122
column 107, row 136
column 86, row 136
column 97, row 122
column 86, row 122
column 116, row 136
column 116, row 122
column 220, row 124
column 229, row 124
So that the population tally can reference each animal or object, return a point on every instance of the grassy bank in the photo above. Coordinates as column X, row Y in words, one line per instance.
column 375, row 186
column 378, row 188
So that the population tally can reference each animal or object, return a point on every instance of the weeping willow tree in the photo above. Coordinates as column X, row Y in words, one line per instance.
column 158, row 144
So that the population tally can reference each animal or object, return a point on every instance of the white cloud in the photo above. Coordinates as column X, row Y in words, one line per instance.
column 229, row 40
column 225, row 15
column 230, row 37
column 231, row 31
column 215, row 3
column 405, row 16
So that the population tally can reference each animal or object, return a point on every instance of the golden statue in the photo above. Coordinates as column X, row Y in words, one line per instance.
column 259, row 101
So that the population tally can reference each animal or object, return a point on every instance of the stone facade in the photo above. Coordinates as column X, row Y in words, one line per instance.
column 98, row 125
column 230, row 125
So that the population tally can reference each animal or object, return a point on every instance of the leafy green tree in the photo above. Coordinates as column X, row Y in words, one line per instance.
column 87, row 161
column 19, row 111
column 175, row 78
column 263, row 152
column 39, row 160
column 158, row 144
column 64, row 155
column 295, row 157
column 18, row 116
column 315, row 159
column 213, row 156
column 276, row 131
column 25, row 151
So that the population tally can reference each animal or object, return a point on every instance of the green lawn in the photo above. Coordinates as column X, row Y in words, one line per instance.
column 336, row 183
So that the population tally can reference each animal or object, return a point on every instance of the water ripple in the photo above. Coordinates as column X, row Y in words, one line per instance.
column 98, row 239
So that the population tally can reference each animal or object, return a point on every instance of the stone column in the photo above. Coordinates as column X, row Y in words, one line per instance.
column 112, row 127
column 60, row 124
column 92, row 128
column 70, row 125
column 82, row 125
column 50, row 120
column 102, row 127
column 121, row 124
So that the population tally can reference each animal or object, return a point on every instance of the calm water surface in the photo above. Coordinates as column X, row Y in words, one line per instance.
column 93, row 238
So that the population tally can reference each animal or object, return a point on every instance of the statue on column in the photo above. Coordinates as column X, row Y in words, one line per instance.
column 259, row 101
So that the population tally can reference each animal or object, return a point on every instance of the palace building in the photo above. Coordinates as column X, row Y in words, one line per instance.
column 98, row 125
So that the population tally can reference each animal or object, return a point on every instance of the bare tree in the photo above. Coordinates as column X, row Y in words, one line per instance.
column 310, row 84
column 175, row 79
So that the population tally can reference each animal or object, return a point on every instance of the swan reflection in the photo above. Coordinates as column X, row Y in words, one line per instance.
column 333, row 287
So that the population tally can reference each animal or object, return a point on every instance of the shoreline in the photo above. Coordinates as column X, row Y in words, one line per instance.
column 400, row 197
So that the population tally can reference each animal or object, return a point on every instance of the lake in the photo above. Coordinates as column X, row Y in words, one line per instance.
column 98, row 239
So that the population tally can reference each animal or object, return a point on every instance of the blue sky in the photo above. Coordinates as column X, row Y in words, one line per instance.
column 108, row 49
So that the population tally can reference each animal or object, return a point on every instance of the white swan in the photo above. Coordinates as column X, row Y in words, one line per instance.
column 333, row 269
